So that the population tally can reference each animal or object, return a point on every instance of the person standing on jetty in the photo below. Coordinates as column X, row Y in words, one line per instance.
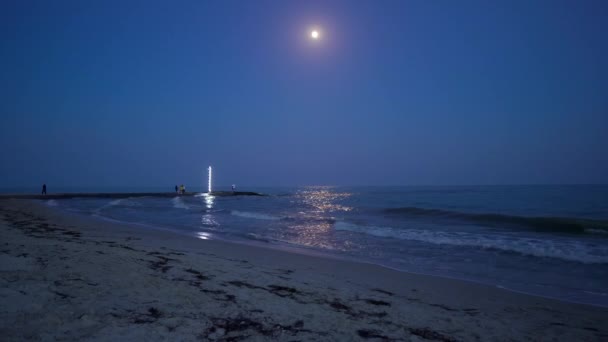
column 44, row 189
column 176, row 189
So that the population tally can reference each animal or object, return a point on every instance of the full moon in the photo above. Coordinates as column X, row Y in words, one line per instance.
column 314, row 34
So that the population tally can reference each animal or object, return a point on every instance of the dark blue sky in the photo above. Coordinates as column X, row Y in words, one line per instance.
column 396, row 92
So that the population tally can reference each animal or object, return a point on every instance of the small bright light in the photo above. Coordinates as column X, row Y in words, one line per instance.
column 314, row 34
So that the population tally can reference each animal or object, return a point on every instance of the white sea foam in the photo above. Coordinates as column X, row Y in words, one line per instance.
column 123, row 202
column 595, row 231
column 107, row 205
column 258, row 216
column 52, row 203
column 114, row 202
column 566, row 249
column 178, row 203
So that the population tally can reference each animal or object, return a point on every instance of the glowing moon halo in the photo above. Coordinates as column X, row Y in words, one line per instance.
column 314, row 34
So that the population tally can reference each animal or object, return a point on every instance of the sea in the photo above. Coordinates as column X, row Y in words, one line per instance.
column 549, row 241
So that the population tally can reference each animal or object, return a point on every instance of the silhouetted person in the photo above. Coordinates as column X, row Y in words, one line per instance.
column 44, row 189
column 176, row 189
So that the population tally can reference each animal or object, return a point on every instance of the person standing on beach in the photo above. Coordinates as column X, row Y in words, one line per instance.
column 44, row 189
column 176, row 189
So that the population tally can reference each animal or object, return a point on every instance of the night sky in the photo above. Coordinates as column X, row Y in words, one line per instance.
column 149, row 93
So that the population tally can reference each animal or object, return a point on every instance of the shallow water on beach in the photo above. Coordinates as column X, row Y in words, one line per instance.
column 544, row 240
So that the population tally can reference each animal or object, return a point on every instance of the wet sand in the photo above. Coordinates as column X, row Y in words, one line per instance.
column 66, row 277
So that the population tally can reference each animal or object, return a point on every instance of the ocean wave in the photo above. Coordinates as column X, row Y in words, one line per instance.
column 107, row 205
column 121, row 202
column 309, row 219
column 539, row 223
column 566, row 250
column 257, row 237
column 596, row 231
column 258, row 216
column 114, row 202
column 52, row 203
column 178, row 203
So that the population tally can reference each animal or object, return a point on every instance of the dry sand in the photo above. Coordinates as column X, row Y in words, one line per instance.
column 65, row 277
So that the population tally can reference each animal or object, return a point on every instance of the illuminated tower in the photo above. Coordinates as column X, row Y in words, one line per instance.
column 209, row 180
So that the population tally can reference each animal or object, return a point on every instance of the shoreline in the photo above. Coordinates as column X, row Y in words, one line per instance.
column 162, row 284
column 303, row 250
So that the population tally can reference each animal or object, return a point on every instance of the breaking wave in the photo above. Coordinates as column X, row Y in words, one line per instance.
column 569, row 250
column 52, row 203
column 121, row 202
column 546, row 224
column 258, row 216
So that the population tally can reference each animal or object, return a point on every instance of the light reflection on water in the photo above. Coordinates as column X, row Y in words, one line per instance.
column 204, row 235
column 307, row 222
column 323, row 199
column 208, row 220
column 311, row 235
column 209, row 200
column 316, row 230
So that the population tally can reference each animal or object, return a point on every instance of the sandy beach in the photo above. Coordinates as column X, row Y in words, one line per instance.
column 68, row 277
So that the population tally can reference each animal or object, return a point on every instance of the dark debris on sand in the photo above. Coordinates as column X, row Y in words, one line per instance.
column 151, row 316
column 429, row 334
column 240, row 327
column 38, row 227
